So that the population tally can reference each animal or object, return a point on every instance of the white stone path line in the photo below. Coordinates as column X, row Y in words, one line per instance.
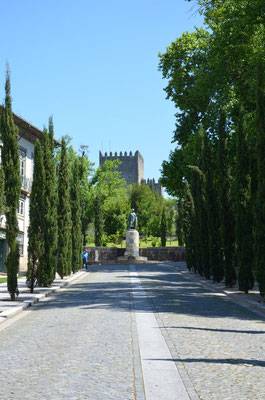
column 161, row 377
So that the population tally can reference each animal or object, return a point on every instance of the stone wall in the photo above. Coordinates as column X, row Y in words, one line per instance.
column 131, row 167
column 104, row 255
column 164, row 253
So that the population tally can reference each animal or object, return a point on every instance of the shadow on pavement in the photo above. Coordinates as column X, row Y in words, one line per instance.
column 167, row 290
column 232, row 361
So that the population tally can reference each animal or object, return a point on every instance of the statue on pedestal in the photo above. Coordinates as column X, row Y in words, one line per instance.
column 132, row 220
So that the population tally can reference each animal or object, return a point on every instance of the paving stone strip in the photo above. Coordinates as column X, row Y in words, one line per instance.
column 161, row 380
column 81, row 343
column 219, row 345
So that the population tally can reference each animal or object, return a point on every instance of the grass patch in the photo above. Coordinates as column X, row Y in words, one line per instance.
column 3, row 280
column 143, row 243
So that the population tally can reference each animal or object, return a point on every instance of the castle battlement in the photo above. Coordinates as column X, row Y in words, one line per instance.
column 131, row 168
column 120, row 155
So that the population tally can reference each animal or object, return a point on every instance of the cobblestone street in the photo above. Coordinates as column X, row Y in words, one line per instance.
column 82, row 342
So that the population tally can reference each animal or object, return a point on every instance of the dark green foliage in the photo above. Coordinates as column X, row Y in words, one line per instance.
column 189, row 228
column 76, row 220
column 260, row 202
column 163, row 229
column 64, row 217
column 35, row 230
column 84, row 170
column 10, row 162
column 243, row 211
column 47, row 265
column 2, row 190
column 99, row 223
column 211, row 204
column 202, row 209
column 179, row 223
column 225, row 206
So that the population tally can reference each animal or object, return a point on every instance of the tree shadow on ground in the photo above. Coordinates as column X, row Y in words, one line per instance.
column 232, row 361
column 214, row 330
column 167, row 290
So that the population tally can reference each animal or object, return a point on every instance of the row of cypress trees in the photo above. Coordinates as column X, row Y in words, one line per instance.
column 10, row 187
column 55, row 236
column 224, row 226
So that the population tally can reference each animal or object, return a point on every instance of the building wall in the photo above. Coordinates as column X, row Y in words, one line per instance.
column 26, row 148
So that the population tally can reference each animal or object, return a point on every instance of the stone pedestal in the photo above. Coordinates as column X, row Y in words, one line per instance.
column 132, row 243
column 132, row 248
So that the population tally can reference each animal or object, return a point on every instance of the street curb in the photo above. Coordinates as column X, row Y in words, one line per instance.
column 5, row 315
column 247, row 303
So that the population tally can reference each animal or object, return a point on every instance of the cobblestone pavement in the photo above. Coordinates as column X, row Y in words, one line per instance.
column 78, row 344
column 218, row 346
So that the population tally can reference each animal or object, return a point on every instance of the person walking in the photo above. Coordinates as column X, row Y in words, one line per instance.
column 85, row 256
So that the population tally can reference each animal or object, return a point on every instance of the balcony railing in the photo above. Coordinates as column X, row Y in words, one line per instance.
column 26, row 183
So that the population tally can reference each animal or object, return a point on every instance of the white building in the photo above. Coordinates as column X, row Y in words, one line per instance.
column 28, row 135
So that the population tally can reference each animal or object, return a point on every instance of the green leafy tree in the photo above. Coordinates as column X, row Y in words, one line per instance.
column 47, row 266
column 10, row 164
column 64, row 216
column 76, row 219
column 163, row 229
column 98, row 222
column 85, row 170
column 108, row 194
column 116, row 211
column 148, row 206
column 35, row 230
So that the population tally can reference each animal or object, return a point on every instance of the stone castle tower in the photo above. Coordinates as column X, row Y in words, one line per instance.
column 131, row 168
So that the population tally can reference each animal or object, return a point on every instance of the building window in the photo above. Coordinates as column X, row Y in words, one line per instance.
column 32, row 170
column 20, row 241
column 21, row 208
column 22, row 161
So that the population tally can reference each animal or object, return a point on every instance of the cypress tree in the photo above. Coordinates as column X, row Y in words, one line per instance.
column 195, row 188
column 225, row 207
column 35, row 230
column 203, row 212
column 76, row 219
column 2, row 190
column 188, row 227
column 163, row 228
column 98, row 222
column 10, row 162
column 260, row 203
column 243, row 211
column 179, row 223
column 64, row 216
column 47, row 265
column 215, row 260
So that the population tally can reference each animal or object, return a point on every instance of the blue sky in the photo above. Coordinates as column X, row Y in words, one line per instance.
column 93, row 65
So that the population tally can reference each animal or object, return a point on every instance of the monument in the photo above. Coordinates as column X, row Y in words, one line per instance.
column 132, row 240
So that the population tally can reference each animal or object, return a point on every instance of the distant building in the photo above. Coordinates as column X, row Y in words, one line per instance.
column 28, row 134
column 131, row 168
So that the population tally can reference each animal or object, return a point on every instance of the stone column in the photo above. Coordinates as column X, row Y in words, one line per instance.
column 132, row 243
